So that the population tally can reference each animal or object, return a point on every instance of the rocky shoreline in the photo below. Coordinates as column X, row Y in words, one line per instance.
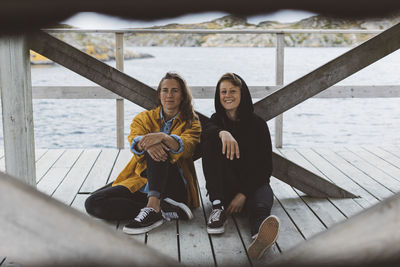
column 102, row 45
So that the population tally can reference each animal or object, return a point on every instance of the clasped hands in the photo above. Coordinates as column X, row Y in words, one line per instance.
column 153, row 144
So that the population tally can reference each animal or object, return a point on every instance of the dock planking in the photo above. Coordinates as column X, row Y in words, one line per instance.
column 70, row 175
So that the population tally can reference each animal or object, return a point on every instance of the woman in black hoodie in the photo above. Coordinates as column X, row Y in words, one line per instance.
column 237, row 164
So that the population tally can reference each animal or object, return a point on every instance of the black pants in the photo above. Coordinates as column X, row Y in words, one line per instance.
column 118, row 203
column 222, row 178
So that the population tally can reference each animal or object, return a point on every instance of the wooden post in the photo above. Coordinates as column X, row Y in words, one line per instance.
column 119, row 60
column 16, row 103
column 279, row 67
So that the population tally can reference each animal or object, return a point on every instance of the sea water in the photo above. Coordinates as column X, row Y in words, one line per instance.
column 91, row 123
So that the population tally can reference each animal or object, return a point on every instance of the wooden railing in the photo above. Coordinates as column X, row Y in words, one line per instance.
column 207, row 91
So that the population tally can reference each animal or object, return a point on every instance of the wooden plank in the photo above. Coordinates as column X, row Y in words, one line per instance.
column 207, row 92
column 242, row 224
column 44, row 164
column 16, row 104
column 140, row 238
column 1, row 153
column 228, row 247
column 68, row 158
column 79, row 202
column 304, row 180
column 279, row 73
column 370, row 170
column 52, row 180
column 366, row 182
column 123, row 158
column 289, row 234
column 348, row 207
column 39, row 153
column 76, row 176
column 101, row 171
column 164, row 239
column 365, row 200
column 302, row 216
column 378, row 162
column 323, row 208
column 389, row 157
column 48, row 231
column 329, row 74
column 119, row 61
column 359, row 241
column 49, row 183
column 195, row 246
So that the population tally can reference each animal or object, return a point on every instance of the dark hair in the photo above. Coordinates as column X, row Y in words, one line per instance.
column 186, row 107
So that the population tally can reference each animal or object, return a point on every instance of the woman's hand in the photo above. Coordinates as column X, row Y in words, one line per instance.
column 158, row 152
column 237, row 203
column 151, row 139
column 230, row 147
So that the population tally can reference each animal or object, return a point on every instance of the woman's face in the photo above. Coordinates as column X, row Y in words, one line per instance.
column 229, row 95
column 170, row 95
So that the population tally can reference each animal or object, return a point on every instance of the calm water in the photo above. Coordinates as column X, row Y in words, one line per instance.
column 316, row 122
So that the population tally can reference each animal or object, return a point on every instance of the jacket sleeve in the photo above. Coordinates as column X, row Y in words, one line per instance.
column 258, row 162
column 190, row 138
column 138, row 128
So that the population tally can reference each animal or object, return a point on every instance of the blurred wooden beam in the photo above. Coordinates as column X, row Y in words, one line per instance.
column 370, row 238
column 37, row 230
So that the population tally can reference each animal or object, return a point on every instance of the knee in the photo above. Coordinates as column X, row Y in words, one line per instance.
column 92, row 206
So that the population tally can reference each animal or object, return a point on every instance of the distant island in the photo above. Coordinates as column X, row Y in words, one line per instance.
column 102, row 45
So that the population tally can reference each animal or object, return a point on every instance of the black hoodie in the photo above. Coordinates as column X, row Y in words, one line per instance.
column 252, row 134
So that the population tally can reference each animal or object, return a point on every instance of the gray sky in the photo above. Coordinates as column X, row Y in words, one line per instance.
column 91, row 20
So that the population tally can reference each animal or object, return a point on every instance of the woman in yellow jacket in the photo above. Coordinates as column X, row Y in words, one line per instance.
column 160, row 180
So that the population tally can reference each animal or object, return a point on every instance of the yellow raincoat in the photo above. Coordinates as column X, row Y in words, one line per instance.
column 151, row 122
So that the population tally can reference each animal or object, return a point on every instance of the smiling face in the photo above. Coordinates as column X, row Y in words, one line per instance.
column 229, row 96
column 170, row 96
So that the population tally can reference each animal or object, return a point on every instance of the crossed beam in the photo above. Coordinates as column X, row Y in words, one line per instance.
column 269, row 107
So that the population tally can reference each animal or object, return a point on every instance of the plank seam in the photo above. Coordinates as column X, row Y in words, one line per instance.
column 372, row 152
column 44, row 174
column 205, row 221
column 70, row 168
column 112, row 168
column 86, row 176
column 361, row 170
column 382, row 169
column 336, row 167
column 241, row 239
column 326, row 176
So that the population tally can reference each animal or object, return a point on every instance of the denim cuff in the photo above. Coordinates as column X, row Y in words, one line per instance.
column 134, row 142
column 153, row 193
column 181, row 146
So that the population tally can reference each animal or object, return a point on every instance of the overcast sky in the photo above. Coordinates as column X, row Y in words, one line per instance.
column 91, row 20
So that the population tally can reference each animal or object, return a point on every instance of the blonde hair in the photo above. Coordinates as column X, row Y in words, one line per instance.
column 186, row 107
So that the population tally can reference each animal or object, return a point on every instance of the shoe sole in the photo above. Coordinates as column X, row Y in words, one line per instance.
column 137, row 231
column 213, row 231
column 267, row 235
column 182, row 206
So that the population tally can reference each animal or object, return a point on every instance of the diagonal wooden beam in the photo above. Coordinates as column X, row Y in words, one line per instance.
column 329, row 74
column 312, row 184
column 145, row 96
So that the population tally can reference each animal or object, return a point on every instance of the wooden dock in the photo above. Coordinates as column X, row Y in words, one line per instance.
column 373, row 173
